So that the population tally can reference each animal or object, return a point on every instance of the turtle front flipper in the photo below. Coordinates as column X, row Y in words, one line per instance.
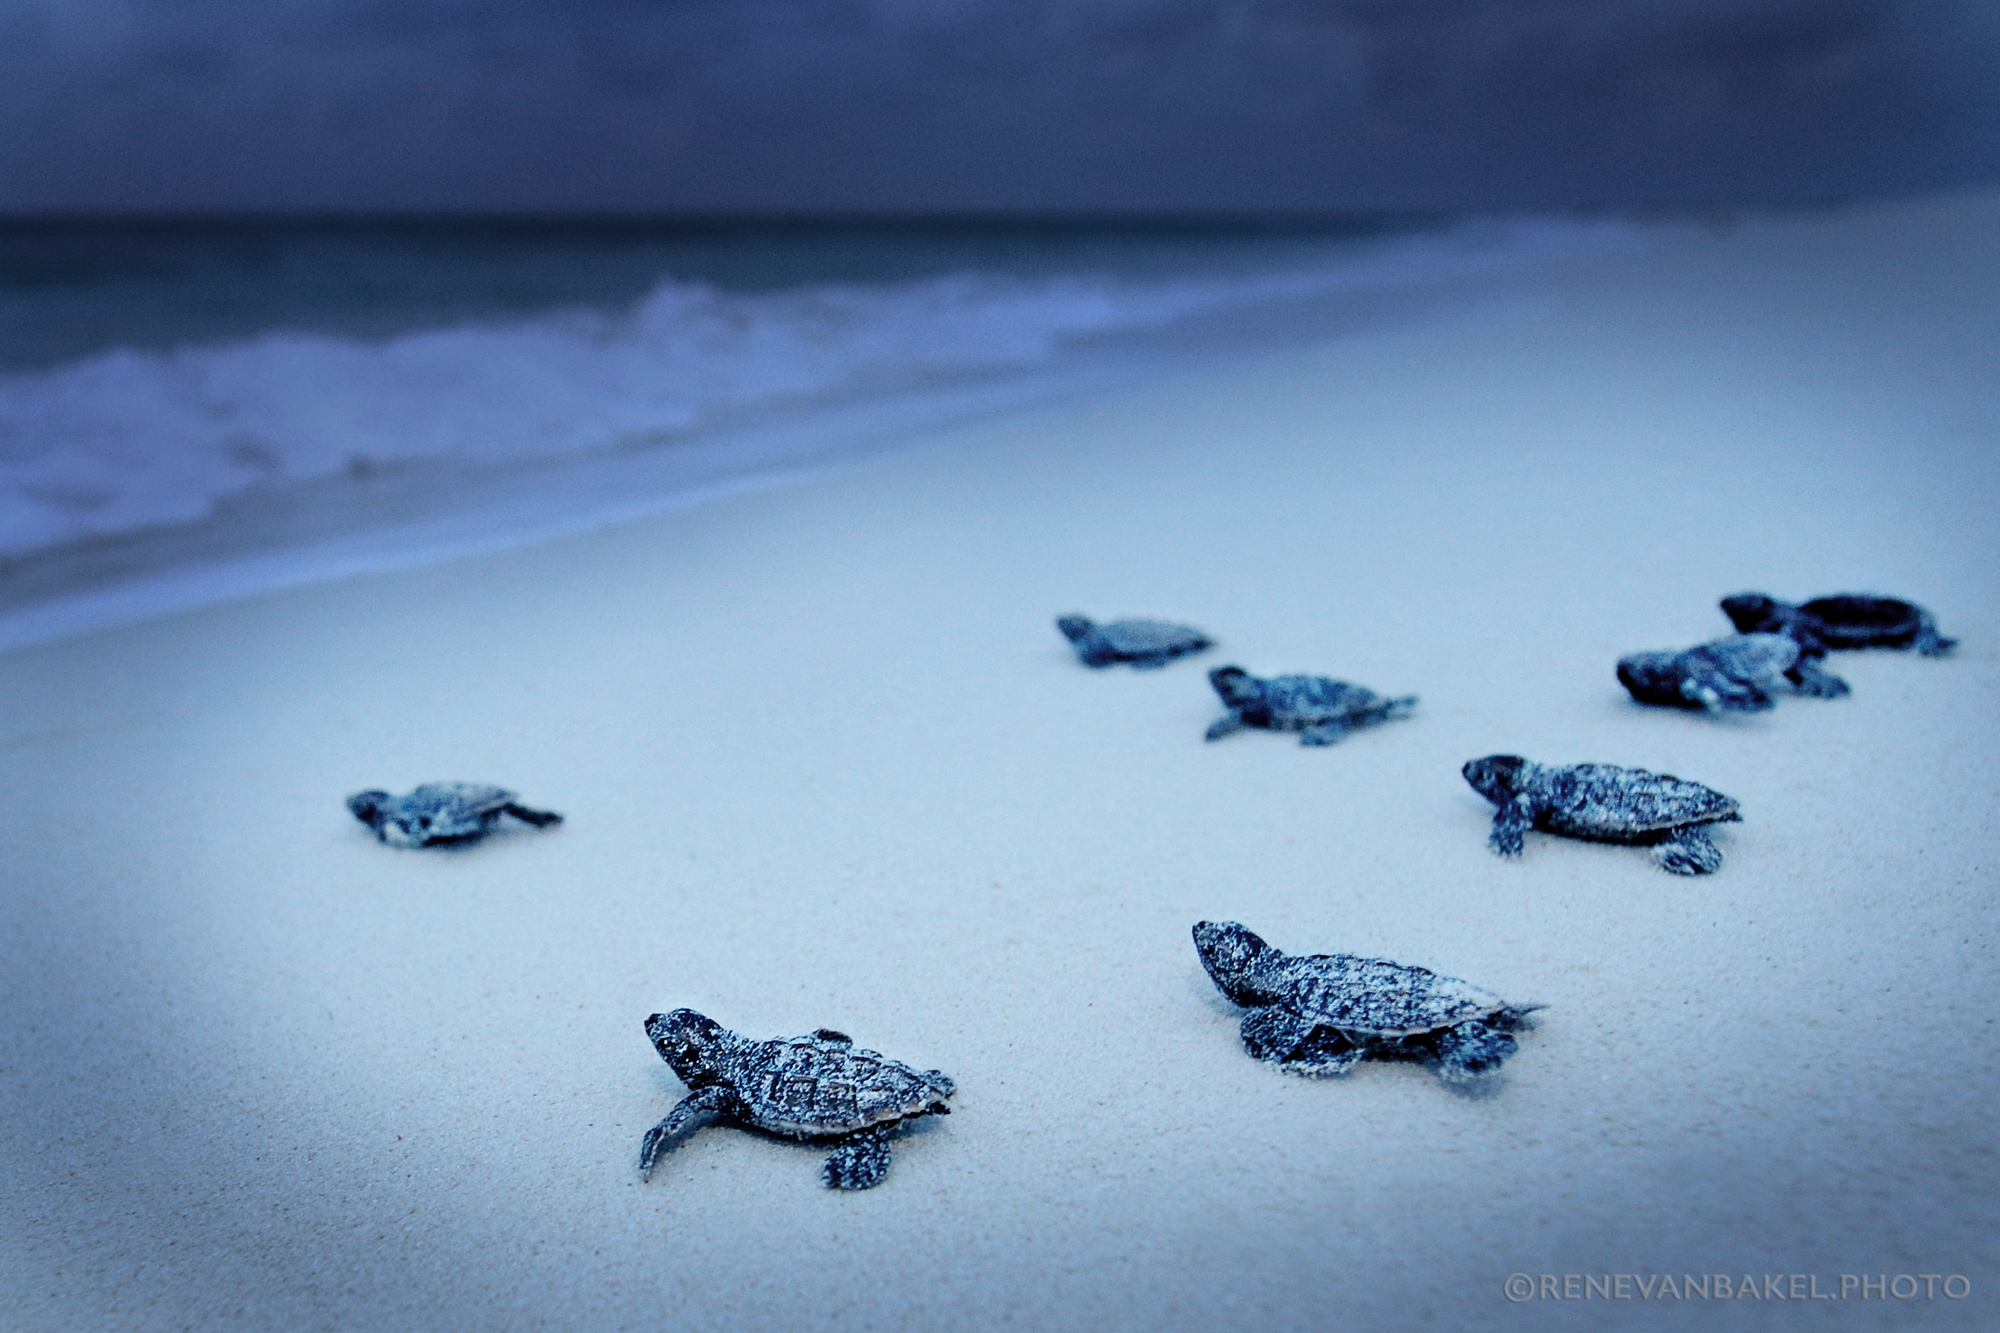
column 1810, row 678
column 860, row 1162
column 1688, row 851
column 1471, row 1052
column 1511, row 823
column 1298, row 1045
column 1224, row 726
column 539, row 818
column 694, row 1111
column 1710, row 687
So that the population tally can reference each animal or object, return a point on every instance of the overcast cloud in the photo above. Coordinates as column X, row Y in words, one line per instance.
column 987, row 105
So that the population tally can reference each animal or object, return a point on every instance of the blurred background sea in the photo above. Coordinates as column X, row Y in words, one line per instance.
column 193, row 410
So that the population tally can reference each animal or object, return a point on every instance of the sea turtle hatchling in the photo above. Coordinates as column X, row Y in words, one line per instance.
column 1323, row 1014
column 1737, row 675
column 820, row 1086
column 1146, row 644
column 1842, row 621
column 1603, row 803
column 1320, row 710
column 441, row 812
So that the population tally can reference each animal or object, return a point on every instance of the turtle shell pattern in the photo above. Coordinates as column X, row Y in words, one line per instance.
column 1857, row 620
column 442, row 811
column 1150, row 638
column 824, row 1085
column 1753, row 656
column 1303, row 701
column 1374, row 997
column 473, row 798
column 1688, row 678
column 1609, row 802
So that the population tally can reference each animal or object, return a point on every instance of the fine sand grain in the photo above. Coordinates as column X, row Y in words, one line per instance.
column 825, row 761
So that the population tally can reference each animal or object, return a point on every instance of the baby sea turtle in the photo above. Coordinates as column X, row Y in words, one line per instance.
column 1144, row 643
column 1326, row 1013
column 815, row 1087
column 445, row 812
column 1737, row 674
column 1846, row 620
column 1603, row 803
column 1319, row 709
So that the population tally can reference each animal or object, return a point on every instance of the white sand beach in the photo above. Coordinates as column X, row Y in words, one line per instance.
column 826, row 762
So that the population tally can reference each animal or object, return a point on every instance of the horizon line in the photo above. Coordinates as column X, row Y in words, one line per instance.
column 1355, row 222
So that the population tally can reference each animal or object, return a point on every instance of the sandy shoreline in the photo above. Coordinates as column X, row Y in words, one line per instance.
column 826, row 761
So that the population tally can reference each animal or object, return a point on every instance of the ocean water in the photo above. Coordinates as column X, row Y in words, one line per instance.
column 220, row 407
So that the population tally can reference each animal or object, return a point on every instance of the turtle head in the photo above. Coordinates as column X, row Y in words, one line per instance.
column 1074, row 627
column 1496, row 777
column 1647, row 677
column 1237, row 687
column 367, row 806
column 1748, row 610
column 1237, row 960
column 689, row 1042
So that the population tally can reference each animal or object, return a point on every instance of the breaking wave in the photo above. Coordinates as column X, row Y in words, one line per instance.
column 124, row 439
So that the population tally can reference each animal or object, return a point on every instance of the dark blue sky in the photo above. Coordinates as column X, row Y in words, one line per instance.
column 901, row 106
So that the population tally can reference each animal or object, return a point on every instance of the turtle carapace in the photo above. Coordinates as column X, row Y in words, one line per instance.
column 1145, row 644
column 1734, row 675
column 441, row 812
column 1321, row 710
column 820, row 1086
column 1603, row 803
column 1325, row 1013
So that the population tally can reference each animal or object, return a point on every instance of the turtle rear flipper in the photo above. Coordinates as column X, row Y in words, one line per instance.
column 694, row 1111
column 1472, row 1051
column 860, row 1162
column 1688, row 851
column 1390, row 709
column 1328, row 732
column 1928, row 641
column 1514, row 1017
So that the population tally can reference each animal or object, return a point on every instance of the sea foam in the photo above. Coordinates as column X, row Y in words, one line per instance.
column 125, row 439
